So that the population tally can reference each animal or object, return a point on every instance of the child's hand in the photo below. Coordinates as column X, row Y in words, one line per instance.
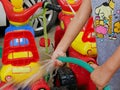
column 100, row 76
column 55, row 55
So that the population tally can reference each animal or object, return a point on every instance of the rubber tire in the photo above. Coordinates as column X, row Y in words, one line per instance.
column 51, row 22
column 66, row 78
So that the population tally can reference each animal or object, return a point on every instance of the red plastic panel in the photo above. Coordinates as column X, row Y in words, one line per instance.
column 19, row 48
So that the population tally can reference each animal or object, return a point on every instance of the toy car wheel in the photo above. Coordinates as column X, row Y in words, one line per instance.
column 65, row 78
column 37, row 23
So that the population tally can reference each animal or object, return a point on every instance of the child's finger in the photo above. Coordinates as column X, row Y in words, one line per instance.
column 94, row 65
column 58, row 63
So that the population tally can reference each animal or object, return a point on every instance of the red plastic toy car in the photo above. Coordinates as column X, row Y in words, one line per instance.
column 83, row 47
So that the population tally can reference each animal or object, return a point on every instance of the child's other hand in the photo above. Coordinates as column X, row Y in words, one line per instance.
column 55, row 55
column 100, row 76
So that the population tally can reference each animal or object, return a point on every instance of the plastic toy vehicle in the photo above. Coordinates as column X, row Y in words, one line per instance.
column 20, row 56
column 83, row 47
column 36, row 23
column 19, row 61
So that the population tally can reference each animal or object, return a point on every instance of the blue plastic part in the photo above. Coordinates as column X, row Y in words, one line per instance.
column 12, row 28
column 80, row 63
column 16, row 42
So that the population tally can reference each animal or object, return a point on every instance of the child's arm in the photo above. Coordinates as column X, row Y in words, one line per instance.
column 73, row 28
column 102, row 74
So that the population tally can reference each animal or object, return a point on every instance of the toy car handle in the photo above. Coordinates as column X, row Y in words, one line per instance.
column 80, row 63
column 56, row 8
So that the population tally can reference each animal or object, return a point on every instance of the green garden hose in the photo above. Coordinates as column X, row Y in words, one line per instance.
column 80, row 63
